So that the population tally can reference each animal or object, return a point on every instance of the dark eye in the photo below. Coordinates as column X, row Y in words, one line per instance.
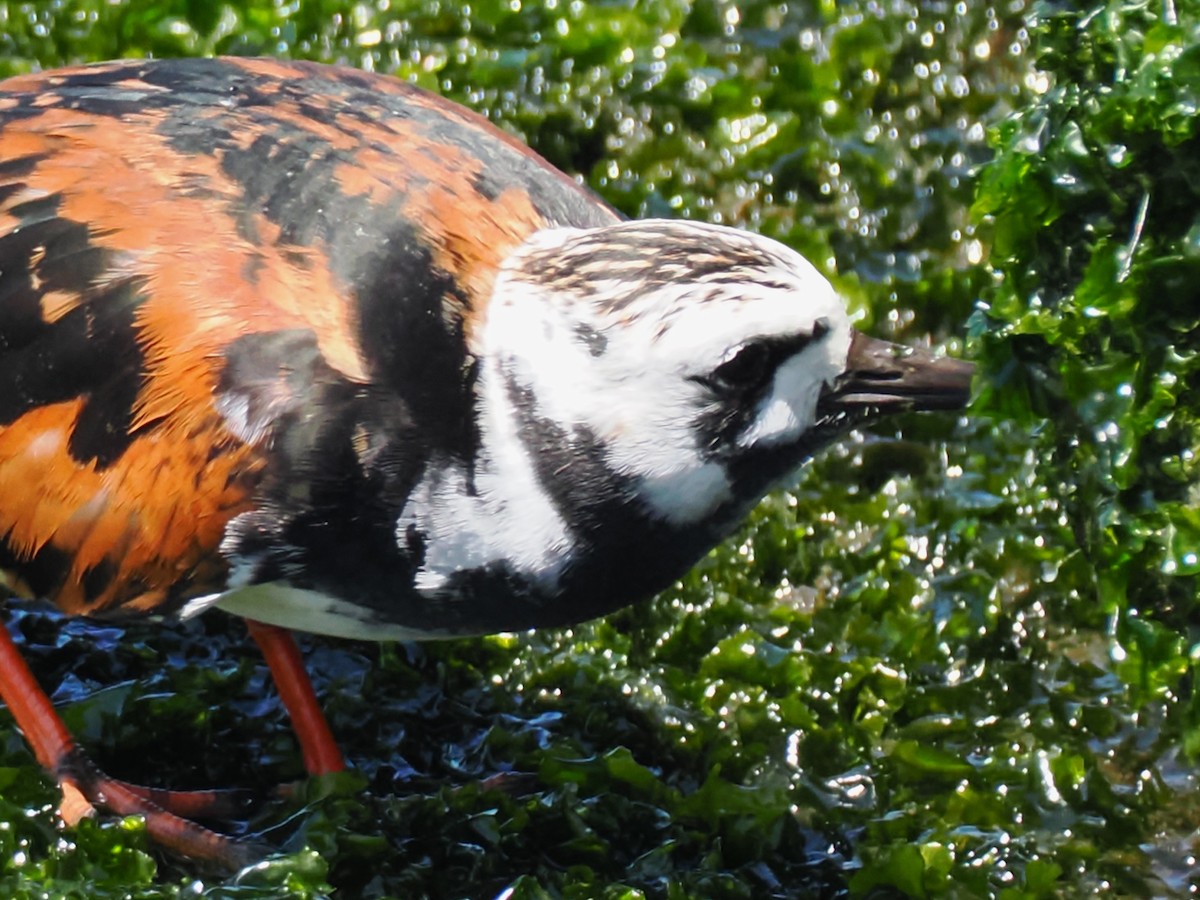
column 747, row 369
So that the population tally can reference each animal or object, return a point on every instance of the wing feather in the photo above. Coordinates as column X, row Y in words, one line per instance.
column 200, row 259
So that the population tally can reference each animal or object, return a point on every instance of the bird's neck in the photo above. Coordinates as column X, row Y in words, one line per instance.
column 491, row 511
column 539, row 514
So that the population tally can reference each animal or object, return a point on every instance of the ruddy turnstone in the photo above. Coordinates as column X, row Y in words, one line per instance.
column 332, row 353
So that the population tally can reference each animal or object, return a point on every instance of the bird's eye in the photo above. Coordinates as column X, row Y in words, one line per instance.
column 748, row 368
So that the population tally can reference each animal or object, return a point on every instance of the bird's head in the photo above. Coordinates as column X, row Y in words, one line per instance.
column 697, row 363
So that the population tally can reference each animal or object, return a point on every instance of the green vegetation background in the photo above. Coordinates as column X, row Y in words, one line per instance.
column 955, row 659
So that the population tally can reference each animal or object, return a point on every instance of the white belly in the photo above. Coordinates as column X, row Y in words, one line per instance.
column 301, row 610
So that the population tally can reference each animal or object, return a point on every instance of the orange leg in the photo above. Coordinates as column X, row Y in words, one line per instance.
column 321, row 753
column 84, row 786
column 218, row 803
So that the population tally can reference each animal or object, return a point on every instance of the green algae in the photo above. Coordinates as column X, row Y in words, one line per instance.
column 952, row 660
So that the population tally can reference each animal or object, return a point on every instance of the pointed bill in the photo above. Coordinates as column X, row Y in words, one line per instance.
column 891, row 377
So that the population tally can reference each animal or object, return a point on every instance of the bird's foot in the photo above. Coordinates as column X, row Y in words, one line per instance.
column 169, row 815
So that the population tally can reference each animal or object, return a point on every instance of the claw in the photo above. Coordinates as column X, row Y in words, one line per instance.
column 86, row 789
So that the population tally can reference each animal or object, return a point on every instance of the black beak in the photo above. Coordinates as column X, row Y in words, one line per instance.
column 885, row 377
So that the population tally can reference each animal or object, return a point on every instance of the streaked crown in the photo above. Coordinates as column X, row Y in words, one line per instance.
column 677, row 346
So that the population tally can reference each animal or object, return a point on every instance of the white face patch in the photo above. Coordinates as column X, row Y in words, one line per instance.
column 503, row 517
column 790, row 406
column 614, row 331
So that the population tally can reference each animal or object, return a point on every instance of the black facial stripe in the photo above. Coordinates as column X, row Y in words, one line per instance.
column 718, row 427
column 554, row 451
column 754, row 471
column 606, row 518
column 783, row 348
column 748, row 369
column 733, row 405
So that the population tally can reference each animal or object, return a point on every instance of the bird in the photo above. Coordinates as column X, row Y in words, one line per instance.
column 329, row 352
